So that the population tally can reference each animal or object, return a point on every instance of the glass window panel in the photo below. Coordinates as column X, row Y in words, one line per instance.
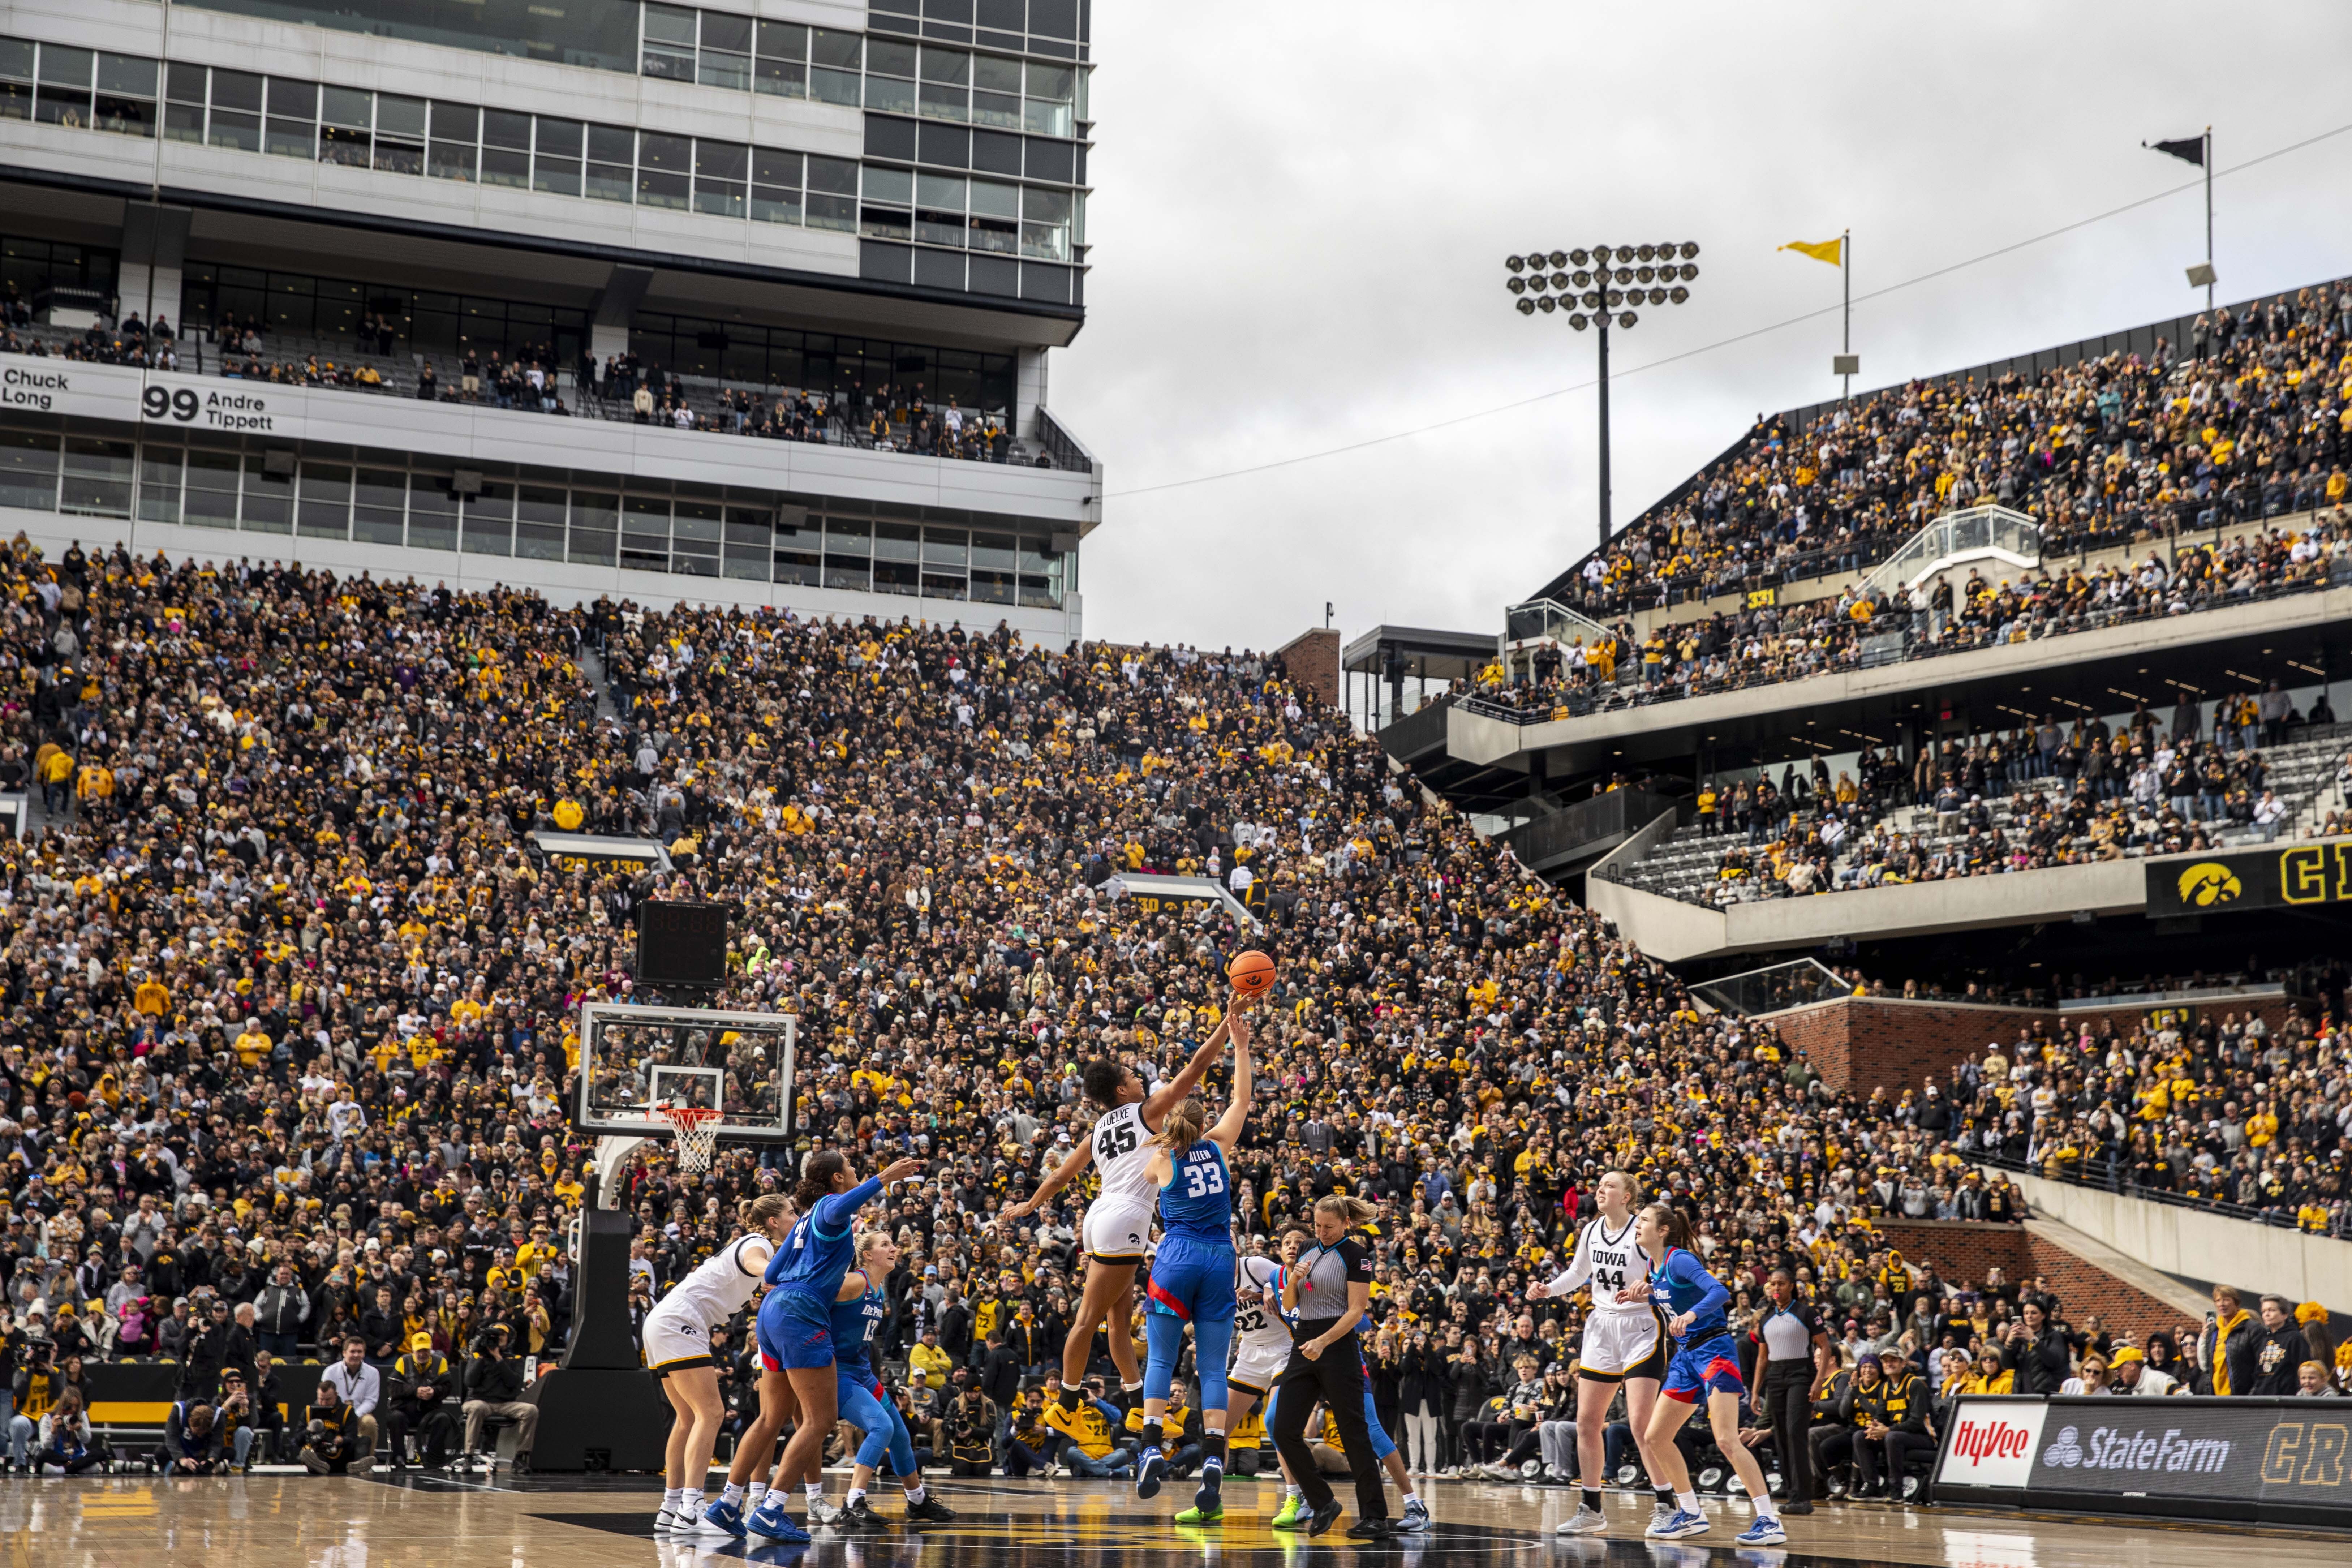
column 783, row 41
column 952, row 66
column 945, row 547
column 269, row 503
column 557, row 176
column 239, row 90
column 432, row 512
column 939, row 102
column 992, row 587
column 125, row 116
column 293, row 99
column 212, row 486
column 774, row 167
column 502, row 166
column 889, row 94
column 291, row 138
column 774, row 204
column 451, row 160
column 489, row 519
column 399, row 157
column 1001, row 110
column 834, row 76
column 456, row 121
column 832, row 193
column 721, row 160
column 538, row 523
column 501, row 128
column 894, row 188
column 993, row 549
column 131, row 75
column 941, row 193
column 184, row 83
column 848, row 536
column 594, row 526
column 97, row 480
column 64, row 67
column 65, row 106
column 717, row 69
column 725, row 30
column 559, row 137
column 16, row 62
column 380, row 496
column 993, row 74
column 887, row 57
column 346, row 107
column 612, row 144
column 898, row 542
column 397, row 116
column 668, row 49
column 325, row 510
column 159, row 482
column 942, row 584
column 645, row 532
column 181, row 121
column 782, row 66
column 609, row 182
column 28, row 471
column 663, row 163
column 802, row 568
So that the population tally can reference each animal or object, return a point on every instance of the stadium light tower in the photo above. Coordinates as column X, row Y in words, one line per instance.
column 1607, row 282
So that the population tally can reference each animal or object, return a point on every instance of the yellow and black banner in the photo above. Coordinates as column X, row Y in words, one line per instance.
column 2293, row 876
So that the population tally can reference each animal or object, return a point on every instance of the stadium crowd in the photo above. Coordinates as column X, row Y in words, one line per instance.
column 2251, row 424
column 288, row 1004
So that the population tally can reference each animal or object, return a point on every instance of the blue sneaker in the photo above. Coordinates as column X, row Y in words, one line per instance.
column 724, row 1517
column 1677, row 1525
column 769, row 1520
column 1148, row 1474
column 1763, row 1532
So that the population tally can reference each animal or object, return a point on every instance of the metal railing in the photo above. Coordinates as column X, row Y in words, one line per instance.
column 1539, row 619
column 1595, row 823
column 1066, row 450
column 1774, row 988
column 2106, row 1173
column 1971, row 533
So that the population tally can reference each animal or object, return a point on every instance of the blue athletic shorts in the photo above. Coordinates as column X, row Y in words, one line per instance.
column 1192, row 1279
column 1708, row 1366
column 795, row 1332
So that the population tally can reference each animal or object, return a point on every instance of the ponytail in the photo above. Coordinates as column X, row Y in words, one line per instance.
column 1184, row 1125
column 758, row 1214
column 1354, row 1210
column 1675, row 1223
column 817, row 1172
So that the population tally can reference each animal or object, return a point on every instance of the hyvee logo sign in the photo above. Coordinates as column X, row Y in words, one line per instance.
column 1993, row 1445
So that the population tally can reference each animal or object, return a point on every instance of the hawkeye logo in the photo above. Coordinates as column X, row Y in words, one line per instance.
column 2207, row 883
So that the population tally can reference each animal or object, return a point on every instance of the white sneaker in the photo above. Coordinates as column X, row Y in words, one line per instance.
column 822, row 1512
column 670, row 1519
column 1583, row 1521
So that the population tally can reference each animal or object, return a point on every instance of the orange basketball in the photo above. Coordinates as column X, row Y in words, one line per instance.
column 1252, row 972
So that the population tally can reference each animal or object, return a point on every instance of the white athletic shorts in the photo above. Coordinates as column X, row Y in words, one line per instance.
column 1257, row 1368
column 673, row 1344
column 1116, row 1232
column 1623, row 1344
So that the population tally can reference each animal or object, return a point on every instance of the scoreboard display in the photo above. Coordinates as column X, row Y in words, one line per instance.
column 681, row 943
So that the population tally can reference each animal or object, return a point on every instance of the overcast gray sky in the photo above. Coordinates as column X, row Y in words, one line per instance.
column 1301, row 212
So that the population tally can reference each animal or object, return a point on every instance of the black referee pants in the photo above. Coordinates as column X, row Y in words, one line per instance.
column 1788, row 1385
column 1335, row 1376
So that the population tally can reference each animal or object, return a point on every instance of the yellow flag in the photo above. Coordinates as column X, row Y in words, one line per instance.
column 1829, row 250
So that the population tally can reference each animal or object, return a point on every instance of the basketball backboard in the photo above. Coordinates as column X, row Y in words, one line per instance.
column 632, row 1058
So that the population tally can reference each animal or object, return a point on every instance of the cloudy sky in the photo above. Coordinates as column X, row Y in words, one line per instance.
column 1301, row 213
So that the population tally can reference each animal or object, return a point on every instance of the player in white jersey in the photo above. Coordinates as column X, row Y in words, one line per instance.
column 1624, row 1341
column 1261, row 1339
column 1117, row 1226
column 677, row 1349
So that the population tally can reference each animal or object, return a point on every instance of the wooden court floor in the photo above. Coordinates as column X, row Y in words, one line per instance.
column 298, row 1521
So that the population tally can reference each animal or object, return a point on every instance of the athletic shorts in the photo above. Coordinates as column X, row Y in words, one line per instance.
column 1706, row 1367
column 1116, row 1232
column 1257, row 1368
column 1623, row 1344
column 674, row 1343
column 1192, row 1278
column 795, row 1332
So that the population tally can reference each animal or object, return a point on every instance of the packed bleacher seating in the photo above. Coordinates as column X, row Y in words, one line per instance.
column 2000, row 803
column 289, row 997
column 2246, row 424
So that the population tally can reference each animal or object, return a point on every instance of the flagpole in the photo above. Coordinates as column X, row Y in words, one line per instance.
column 1845, row 276
column 2209, row 217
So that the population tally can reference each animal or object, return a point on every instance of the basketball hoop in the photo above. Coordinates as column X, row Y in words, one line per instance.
column 695, row 1129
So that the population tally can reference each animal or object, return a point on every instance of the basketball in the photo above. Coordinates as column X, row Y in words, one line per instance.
column 1252, row 972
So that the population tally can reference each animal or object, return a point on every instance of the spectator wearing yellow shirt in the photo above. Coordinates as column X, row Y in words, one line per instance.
column 153, row 997
column 934, row 1361
column 1089, row 1445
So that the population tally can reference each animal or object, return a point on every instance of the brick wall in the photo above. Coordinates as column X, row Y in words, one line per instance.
column 1862, row 1043
column 1313, row 660
column 1964, row 1250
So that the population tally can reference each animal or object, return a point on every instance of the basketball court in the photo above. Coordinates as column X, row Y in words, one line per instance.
column 588, row 1523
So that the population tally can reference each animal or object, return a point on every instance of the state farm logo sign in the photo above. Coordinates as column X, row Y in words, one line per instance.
column 2107, row 1448
column 1992, row 1445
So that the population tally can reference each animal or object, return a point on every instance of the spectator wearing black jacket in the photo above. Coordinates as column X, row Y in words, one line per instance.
column 2264, row 1361
column 2036, row 1351
column 1890, row 1424
column 494, row 1387
column 424, row 1400
column 193, row 1444
column 280, row 1313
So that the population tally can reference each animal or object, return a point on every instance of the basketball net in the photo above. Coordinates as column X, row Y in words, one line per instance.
column 695, row 1129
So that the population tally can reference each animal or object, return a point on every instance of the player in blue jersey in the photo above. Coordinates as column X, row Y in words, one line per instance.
column 1192, row 1273
column 858, row 1309
column 795, row 1320
column 1706, row 1367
